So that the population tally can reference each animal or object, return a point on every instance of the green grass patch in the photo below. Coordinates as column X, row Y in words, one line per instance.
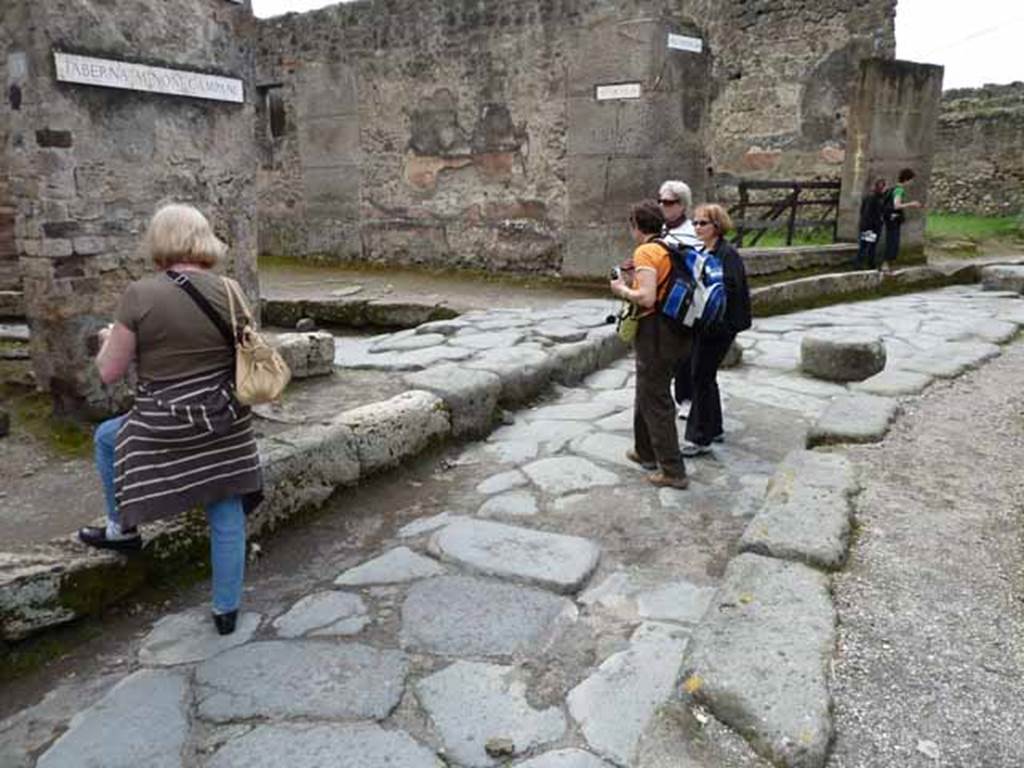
column 32, row 412
column 976, row 229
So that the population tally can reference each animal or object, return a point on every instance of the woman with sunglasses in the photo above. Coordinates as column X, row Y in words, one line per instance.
column 704, row 424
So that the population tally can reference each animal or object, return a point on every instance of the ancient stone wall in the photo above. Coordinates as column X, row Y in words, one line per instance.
column 88, row 165
column 979, row 151
column 470, row 134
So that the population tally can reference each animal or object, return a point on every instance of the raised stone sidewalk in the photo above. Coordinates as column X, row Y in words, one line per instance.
column 558, row 611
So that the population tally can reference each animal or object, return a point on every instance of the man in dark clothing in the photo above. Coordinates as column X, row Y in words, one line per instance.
column 870, row 226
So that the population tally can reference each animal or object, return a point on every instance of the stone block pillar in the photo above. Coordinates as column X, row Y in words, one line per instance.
column 891, row 126
column 88, row 164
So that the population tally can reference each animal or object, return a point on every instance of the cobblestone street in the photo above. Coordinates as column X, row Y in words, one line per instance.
column 529, row 599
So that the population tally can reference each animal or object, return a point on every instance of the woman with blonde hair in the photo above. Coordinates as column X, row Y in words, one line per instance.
column 187, row 441
column 704, row 424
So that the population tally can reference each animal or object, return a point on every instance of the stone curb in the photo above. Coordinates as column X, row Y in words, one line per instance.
column 59, row 582
column 759, row 660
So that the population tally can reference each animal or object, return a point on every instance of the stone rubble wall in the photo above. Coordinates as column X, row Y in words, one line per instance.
column 455, row 136
column 86, row 166
column 979, row 151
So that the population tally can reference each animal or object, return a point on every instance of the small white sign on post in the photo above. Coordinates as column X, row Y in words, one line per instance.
column 127, row 75
column 684, row 43
column 618, row 91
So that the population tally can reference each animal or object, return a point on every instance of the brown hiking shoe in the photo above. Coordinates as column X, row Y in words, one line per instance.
column 635, row 458
column 663, row 480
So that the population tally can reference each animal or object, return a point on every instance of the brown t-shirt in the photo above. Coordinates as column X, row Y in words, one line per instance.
column 173, row 337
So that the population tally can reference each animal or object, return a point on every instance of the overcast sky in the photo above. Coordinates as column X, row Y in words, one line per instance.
column 978, row 42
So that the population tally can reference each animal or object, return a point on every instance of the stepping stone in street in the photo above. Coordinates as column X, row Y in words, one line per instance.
column 393, row 567
column 190, row 636
column 550, row 560
column 330, row 612
column 472, row 704
column 501, row 482
column 142, row 721
column 615, row 704
column 845, row 357
column 300, row 679
column 510, row 504
column 308, row 745
column 468, row 616
column 564, row 474
column 565, row 758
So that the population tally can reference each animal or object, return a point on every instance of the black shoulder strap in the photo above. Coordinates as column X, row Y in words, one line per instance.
column 182, row 281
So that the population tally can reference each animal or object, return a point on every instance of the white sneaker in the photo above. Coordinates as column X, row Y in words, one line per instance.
column 683, row 410
column 690, row 450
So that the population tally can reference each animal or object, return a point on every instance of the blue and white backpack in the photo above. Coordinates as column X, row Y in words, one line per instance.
column 695, row 298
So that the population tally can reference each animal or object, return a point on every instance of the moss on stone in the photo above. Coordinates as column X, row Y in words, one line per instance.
column 32, row 412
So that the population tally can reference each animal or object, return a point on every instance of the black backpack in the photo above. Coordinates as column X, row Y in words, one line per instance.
column 890, row 214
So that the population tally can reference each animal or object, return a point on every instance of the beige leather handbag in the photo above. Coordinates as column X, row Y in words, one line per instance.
column 261, row 374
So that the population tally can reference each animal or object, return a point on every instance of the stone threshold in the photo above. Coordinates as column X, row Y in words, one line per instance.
column 61, row 581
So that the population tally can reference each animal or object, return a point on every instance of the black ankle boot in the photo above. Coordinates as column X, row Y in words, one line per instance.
column 225, row 622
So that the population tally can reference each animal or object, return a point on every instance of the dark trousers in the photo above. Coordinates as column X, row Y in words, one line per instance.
column 892, row 240
column 705, row 419
column 683, row 383
column 659, row 349
column 866, row 254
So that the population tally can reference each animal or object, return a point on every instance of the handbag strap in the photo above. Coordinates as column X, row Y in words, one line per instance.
column 181, row 280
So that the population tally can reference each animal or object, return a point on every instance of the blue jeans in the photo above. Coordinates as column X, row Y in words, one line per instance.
column 226, row 518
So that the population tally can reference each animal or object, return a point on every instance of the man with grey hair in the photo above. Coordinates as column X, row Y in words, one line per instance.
column 675, row 200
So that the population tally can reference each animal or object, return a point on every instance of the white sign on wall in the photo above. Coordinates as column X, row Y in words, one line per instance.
column 127, row 75
column 684, row 43
column 618, row 91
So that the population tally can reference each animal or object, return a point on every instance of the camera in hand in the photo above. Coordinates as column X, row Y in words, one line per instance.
column 616, row 273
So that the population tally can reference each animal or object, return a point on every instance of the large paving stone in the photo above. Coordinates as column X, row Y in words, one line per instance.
column 565, row 474
column 994, row 331
column 467, row 616
column 760, row 658
column 609, row 378
column 565, row 758
column 142, row 721
column 190, row 636
column 393, row 567
column 384, row 433
column 550, row 560
column 397, row 343
column 471, row 703
column 510, row 504
column 308, row 745
column 524, row 370
column 292, row 679
column 551, row 435
column 476, row 340
column 572, row 411
column 841, row 358
column 607, row 448
column 614, row 705
column 893, row 383
column 805, row 515
column 855, row 418
column 679, row 601
column 471, row 396
column 501, row 482
column 330, row 612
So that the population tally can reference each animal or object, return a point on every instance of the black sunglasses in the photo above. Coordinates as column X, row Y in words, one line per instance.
column 702, row 222
column 668, row 202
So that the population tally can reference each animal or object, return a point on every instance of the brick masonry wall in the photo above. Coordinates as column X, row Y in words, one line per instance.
column 87, row 166
column 467, row 134
column 979, row 151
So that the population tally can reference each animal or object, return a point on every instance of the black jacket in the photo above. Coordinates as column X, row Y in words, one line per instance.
column 871, row 212
column 737, row 292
